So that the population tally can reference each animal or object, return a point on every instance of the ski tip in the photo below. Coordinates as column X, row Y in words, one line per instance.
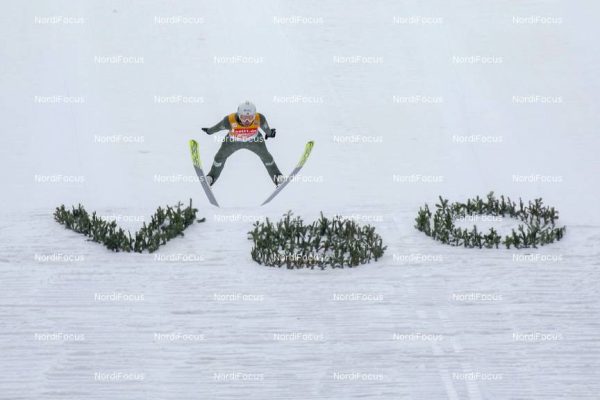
column 310, row 145
column 307, row 151
column 194, row 152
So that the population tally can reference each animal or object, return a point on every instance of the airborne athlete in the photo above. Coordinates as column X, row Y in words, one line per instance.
column 243, row 127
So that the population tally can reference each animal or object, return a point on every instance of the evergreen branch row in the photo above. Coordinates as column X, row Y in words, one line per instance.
column 538, row 225
column 335, row 242
column 166, row 224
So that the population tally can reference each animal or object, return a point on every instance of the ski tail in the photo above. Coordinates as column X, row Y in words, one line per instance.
column 307, row 150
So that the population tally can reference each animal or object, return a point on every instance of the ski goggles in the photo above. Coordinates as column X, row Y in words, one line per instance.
column 246, row 119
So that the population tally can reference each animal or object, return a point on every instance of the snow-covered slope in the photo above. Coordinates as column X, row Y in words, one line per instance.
column 402, row 109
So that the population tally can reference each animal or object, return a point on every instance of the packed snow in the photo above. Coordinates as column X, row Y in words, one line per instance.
column 405, row 100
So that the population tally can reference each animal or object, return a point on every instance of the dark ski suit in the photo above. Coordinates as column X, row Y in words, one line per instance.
column 243, row 137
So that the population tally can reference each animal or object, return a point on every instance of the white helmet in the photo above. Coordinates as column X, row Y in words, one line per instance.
column 246, row 109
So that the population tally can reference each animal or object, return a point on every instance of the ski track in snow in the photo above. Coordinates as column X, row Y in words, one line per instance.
column 399, row 328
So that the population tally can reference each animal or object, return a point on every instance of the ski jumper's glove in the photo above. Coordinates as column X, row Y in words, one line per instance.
column 271, row 133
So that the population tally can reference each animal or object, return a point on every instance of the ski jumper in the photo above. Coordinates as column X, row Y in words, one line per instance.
column 243, row 137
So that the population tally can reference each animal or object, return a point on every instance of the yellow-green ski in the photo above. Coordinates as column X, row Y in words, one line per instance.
column 198, row 167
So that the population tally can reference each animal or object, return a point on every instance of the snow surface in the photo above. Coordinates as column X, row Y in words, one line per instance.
column 425, row 322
